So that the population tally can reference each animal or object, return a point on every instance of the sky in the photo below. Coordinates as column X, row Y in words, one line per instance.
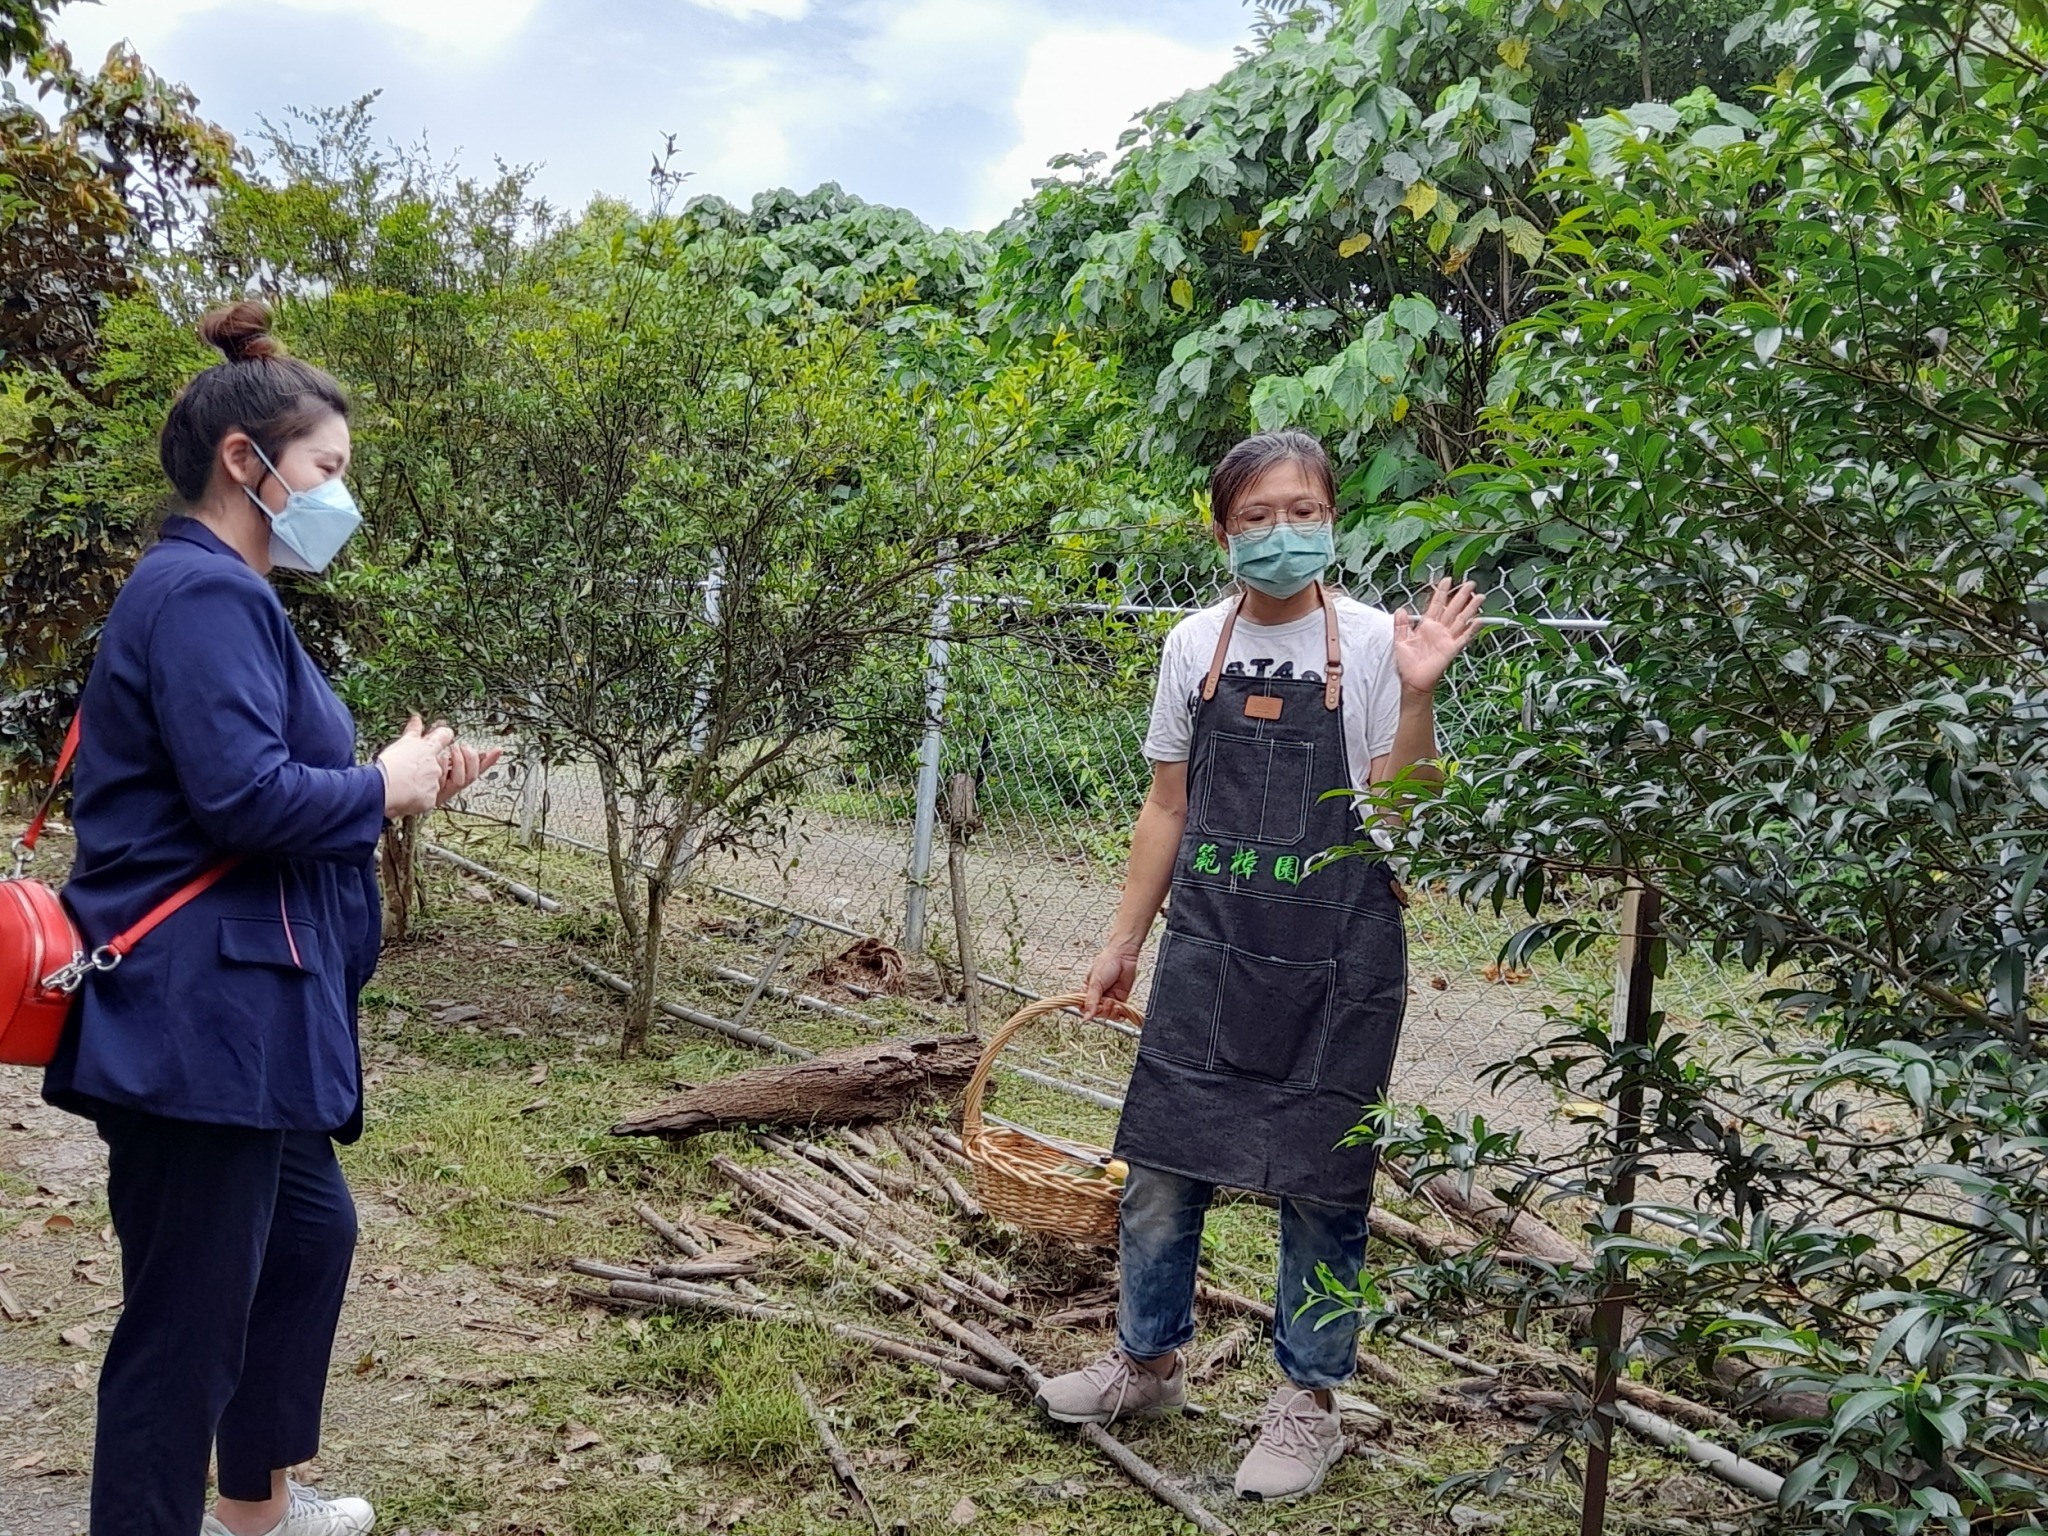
column 947, row 107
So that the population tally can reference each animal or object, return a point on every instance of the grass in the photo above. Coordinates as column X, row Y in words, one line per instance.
column 476, row 1394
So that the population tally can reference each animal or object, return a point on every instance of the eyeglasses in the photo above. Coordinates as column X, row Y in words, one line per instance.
column 1257, row 520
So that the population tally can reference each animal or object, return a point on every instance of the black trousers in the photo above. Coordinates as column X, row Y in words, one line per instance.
column 235, row 1248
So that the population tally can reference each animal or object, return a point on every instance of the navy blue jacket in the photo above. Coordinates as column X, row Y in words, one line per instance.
column 206, row 731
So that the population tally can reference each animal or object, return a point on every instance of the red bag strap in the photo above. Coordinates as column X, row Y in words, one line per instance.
column 27, row 843
column 111, row 953
column 128, row 938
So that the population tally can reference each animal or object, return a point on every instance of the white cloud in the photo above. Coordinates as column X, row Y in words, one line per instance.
column 775, row 10
column 476, row 26
column 1080, row 90
column 930, row 53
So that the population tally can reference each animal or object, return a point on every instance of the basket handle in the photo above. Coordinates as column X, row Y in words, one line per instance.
column 977, row 1086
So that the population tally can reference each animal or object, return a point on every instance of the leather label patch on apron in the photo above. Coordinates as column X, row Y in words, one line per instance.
column 1261, row 706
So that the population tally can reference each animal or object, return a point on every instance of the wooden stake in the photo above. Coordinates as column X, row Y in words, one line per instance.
column 961, row 822
column 1634, row 979
column 842, row 1467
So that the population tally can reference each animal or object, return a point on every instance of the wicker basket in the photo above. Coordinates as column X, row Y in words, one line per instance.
column 1032, row 1182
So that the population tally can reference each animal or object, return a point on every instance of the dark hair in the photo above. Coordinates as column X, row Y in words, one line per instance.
column 1255, row 455
column 258, row 389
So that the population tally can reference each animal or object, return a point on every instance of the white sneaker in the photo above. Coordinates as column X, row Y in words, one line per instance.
column 308, row 1514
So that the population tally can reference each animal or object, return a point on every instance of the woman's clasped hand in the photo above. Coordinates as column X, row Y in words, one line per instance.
column 425, row 768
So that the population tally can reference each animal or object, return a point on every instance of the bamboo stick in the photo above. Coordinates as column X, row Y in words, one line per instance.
column 525, row 893
column 842, row 1466
column 825, row 1158
column 887, row 1245
column 677, row 1297
column 1133, row 1466
column 925, row 1158
column 951, row 1145
column 705, row 1269
column 670, row 1233
column 712, row 1022
column 770, row 1194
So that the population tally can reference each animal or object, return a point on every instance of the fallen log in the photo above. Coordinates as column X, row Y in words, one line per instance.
column 854, row 1084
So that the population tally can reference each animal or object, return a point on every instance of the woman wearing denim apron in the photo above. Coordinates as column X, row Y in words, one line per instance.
column 1277, row 998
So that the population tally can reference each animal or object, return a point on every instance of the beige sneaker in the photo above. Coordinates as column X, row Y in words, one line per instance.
column 1298, row 1444
column 1112, row 1389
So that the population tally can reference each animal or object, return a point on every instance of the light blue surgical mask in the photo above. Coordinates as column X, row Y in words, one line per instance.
column 309, row 532
column 1281, row 562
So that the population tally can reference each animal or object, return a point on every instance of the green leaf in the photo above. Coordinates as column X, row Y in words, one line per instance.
column 1523, row 238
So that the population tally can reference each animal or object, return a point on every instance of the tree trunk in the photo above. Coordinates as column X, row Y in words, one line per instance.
column 646, row 973
column 849, row 1086
column 398, row 861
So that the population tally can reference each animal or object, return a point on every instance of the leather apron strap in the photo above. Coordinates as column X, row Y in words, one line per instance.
column 1333, row 665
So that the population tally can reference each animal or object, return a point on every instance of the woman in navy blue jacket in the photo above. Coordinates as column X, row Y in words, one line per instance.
column 220, row 1061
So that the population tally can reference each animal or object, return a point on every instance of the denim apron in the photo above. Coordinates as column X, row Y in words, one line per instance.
column 1277, row 999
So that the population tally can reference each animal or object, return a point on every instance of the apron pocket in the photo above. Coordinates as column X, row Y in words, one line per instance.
column 1274, row 1020
column 1255, row 790
column 1187, row 984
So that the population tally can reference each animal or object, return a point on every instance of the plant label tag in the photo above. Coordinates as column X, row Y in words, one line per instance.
column 1262, row 707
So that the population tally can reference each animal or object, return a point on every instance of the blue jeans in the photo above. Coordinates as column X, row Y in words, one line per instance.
column 1161, row 1234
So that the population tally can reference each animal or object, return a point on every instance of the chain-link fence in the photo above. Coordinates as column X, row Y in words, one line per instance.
column 1046, row 708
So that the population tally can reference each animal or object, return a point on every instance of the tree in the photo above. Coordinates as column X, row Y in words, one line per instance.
column 89, row 201
column 1782, row 421
column 701, row 525
column 1338, row 232
column 829, row 251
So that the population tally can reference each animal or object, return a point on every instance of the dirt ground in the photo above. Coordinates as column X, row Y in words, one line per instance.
column 472, row 1391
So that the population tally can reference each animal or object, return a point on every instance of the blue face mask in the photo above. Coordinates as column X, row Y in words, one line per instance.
column 1284, row 561
column 309, row 532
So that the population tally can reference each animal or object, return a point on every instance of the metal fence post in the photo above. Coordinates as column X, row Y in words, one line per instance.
column 1634, row 977
column 531, row 812
column 714, row 601
column 917, row 889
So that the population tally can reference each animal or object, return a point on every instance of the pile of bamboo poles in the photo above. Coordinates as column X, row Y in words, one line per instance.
column 846, row 1198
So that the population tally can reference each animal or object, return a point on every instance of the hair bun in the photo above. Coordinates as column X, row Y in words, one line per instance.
column 241, row 332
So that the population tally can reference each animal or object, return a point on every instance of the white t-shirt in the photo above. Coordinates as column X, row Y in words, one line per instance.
column 1372, row 689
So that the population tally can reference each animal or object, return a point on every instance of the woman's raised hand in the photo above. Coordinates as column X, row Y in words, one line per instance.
column 1426, row 645
column 414, row 767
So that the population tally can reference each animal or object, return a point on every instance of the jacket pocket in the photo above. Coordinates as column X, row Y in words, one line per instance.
column 265, row 941
column 1254, row 790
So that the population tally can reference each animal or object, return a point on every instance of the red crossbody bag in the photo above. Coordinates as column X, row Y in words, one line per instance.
column 43, row 959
